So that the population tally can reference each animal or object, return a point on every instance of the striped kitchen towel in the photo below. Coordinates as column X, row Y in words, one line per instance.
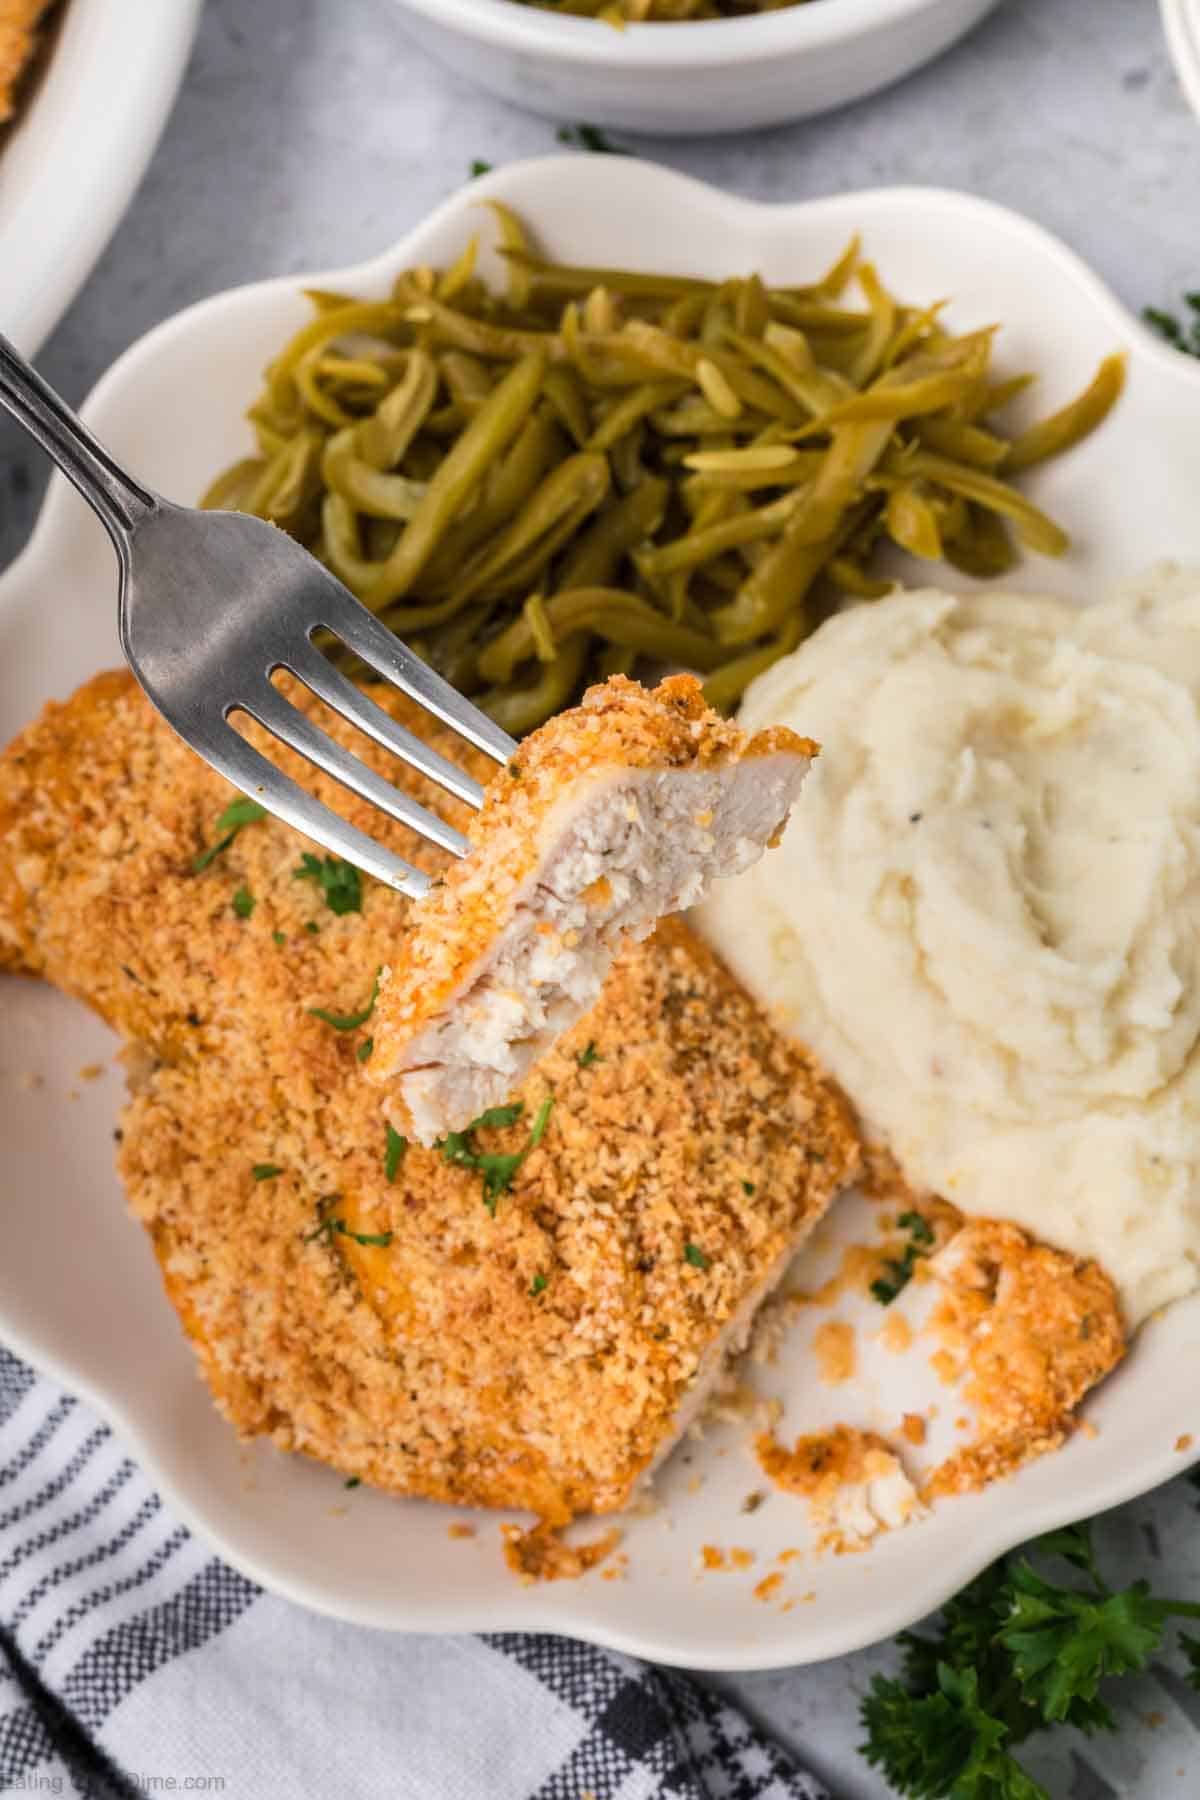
column 135, row 1662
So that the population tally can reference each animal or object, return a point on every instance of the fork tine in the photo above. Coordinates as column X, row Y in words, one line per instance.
column 362, row 632
column 256, row 776
column 330, row 685
column 279, row 716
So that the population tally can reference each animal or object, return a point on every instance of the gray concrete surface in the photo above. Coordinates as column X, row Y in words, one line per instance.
column 309, row 132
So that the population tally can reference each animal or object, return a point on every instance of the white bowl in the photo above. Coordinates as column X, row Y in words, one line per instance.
column 676, row 80
column 69, row 167
column 1181, row 21
column 80, row 1293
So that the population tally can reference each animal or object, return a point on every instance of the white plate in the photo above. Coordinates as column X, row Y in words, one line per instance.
column 1181, row 21
column 79, row 1291
column 68, row 170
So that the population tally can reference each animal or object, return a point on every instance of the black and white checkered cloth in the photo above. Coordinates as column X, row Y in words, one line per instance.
column 134, row 1662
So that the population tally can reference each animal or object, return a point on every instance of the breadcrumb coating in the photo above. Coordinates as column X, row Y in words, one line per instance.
column 537, row 1358
column 18, row 41
column 1032, row 1329
column 559, row 874
column 853, row 1481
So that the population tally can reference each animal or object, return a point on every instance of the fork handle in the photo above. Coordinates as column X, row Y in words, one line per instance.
column 111, row 493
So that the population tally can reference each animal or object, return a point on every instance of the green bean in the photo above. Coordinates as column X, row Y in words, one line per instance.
column 381, row 496
column 330, row 324
column 725, row 688
column 494, row 427
column 233, row 487
column 460, row 331
column 965, row 443
column 881, row 330
column 1064, row 428
column 698, row 546
column 912, row 521
column 383, row 440
column 613, row 614
column 566, row 394
column 506, row 488
column 289, row 481
column 630, row 410
column 594, row 468
column 520, row 709
column 984, row 549
column 776, row 586
column 550, row 516
column 595, row 559
column 566, row 281
column 1033, row 527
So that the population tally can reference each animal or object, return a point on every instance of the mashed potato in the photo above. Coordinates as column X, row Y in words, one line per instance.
column 985, row 914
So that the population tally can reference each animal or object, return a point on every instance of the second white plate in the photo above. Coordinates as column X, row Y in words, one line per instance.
column 79, row 1290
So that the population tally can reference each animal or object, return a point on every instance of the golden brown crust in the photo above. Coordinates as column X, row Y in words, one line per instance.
column 1032, row 1329
column 18, row 41
column 618, row 726
column 438, row 1365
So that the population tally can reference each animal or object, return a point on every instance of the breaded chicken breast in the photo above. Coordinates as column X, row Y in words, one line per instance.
column 525, row 1317
column 610, row 816
column 18, row 40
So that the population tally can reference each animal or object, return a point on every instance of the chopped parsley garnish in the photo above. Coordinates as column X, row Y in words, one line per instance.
column 748, row 1187
column 352, row 1481
column 541, row 1121
column 377, row 1240
column 538, row 1285
column 1014, row 1653
column 266, row 1171
column 237, row 815
column 1185, row 336
column 497, row 1167
column 280, row 937
column 917, row 1227
column 364, row 1050
column 588, row 1056
column 589, row 137
column 312, row 926
column 349, row 1021
column 898, row 1273
column 692, row 1253
column 339, row 881
column 479, row 167
column 244, row 903
column 394, row 1154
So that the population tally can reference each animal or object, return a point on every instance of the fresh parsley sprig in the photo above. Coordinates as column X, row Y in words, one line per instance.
column 1184, row 336
column 897, row 1274
column 1015, row 1653
column 330, row 1227
column 589, row 137
column 497, row 1167
column 349, row 1021
column 237, row 815
column 393, row 1155
column 338, row 881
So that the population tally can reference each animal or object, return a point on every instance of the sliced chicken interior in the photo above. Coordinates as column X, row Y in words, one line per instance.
column 609, row 817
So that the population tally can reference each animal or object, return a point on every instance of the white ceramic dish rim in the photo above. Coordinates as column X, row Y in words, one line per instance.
column 1181, row 22
column 77, row 213
column 689, row 43
column 528, row 1609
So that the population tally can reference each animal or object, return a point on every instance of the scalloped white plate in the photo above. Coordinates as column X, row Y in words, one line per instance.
column 1181, row 22
column 69, row 167
column 79, row 1291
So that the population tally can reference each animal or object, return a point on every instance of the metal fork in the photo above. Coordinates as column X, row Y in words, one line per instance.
column 211, row 604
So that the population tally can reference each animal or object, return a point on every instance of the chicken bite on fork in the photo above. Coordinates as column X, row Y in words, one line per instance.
column 609, row 817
